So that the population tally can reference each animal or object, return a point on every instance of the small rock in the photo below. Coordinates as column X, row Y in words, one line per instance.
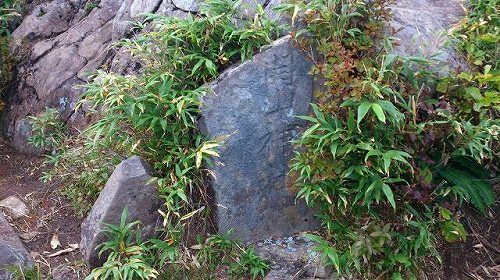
column 293, row 263
column 126, row 187
column 12, row 251
column 14, row 207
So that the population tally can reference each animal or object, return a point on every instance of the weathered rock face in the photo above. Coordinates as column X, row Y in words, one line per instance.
column 127, row 187
column 254, row 105
column 422, row 27
column 62, row 42
column 12, row 251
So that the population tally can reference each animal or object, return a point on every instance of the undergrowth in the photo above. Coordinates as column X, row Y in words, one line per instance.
column 153, row 114
column 478, row 35
column 26, row 273
column 130, row 257
column 388, row 160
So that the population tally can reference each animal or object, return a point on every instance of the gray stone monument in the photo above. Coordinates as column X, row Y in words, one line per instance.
column 253, row 104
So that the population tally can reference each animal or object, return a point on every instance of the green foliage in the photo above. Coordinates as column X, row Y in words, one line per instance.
column 127, row 257
column 478, row 35
column 48, row 130
column 468, row 183
column 153, row 114
column 91, row 5
column 380, row 156
column 452, row 230
column 131, row 258
column 222, row 250
column 27, row 273
column 7, row 13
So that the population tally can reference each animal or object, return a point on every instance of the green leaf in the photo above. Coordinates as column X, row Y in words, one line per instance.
column 362, row 110
column 388, row 193
column 396, row 276
column 310, row 130
column 350, row 122
column 378, row 112
column 442, row 86
column 210, row 66
column 388, row 60
column 474, row 93
column 453, row 231
column 445, row 213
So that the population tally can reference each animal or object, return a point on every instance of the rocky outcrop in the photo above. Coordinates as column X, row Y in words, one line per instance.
column 253, row 105
column 421, row 28
column 12, row 251
column 127, row 188
column 62, row 41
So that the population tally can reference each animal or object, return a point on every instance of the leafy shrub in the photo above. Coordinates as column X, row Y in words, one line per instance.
column 7, row 13
column 222, row 250
column 26, row 273
column 386, row 160
column 478, row 35
column 127, row 257
column 48, row 130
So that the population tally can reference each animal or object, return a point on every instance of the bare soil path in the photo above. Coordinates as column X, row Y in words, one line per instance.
column 50, row 214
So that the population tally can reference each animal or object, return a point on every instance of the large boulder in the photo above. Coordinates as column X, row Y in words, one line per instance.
column 422, row 29
column 253, row 105
column 127, row 187
column 12, row 251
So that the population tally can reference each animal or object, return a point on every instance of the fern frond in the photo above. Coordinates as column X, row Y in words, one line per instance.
column 477, row 191
column 470, row 165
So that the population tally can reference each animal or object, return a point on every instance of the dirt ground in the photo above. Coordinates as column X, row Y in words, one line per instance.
column 479, row 256
column 50, row 214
